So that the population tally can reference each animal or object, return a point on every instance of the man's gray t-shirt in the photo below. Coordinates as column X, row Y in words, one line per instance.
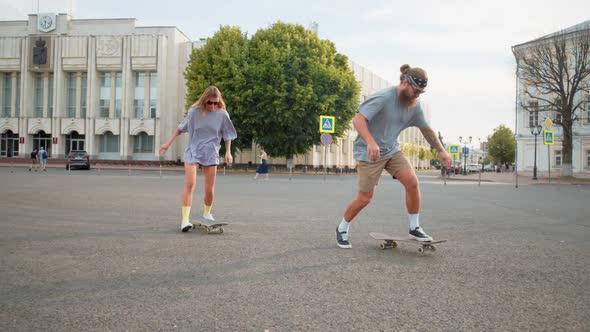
column 386, row 120
column 205, row 130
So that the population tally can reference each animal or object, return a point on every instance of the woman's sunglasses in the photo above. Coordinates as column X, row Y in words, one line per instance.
column 212, row 103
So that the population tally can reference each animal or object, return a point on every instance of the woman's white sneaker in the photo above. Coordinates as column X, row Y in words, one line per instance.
column 185, row 226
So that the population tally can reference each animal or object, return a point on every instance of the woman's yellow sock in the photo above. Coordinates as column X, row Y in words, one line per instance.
column 207, row 210
column 186, row 211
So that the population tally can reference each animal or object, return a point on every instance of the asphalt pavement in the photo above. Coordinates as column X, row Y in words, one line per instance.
column 103, row 252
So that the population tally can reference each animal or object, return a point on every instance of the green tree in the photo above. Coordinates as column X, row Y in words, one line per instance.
column 223, row 62
column 501, row 145
column 423, row 154
column 293, row 78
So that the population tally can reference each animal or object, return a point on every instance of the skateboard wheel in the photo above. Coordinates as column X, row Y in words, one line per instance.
column 420, row 250
column 220, row 230
column 432, row 247
column 393, row 244
column 208, row 230
column 382, row 246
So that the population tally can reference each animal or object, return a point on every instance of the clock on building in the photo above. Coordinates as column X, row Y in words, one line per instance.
column 46, row 22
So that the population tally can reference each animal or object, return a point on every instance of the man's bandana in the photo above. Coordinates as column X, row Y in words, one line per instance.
column 415, row 81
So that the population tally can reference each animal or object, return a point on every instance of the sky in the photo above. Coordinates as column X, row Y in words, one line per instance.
column 465, row 46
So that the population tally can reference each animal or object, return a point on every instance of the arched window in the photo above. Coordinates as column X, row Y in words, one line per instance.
column 9, row 144
column 41, row 139
column 144, row 143
column 75, row 142
column 109, row 142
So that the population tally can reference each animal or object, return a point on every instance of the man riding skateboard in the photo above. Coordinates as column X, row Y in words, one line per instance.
column 379, row 121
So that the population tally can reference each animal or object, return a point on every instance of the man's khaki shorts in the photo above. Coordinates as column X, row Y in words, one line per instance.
column 370, row 172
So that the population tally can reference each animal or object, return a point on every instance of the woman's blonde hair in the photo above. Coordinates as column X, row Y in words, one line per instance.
column 210, row 92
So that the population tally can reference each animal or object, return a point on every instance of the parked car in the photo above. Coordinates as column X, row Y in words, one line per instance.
column 78, row 159
column 489, row 168
column 453, row 169
column 473, row 168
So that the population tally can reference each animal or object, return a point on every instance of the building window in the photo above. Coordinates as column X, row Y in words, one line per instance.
column 110, row 90
column 558, row 118
column 83, row 95
column 38, row 96
column 76, row 83
column 104, row 103
column 533, row 114
column 587, row 158
column 42, row 84
column 41, row 139
column 71, row 95
column 586, row 111
column 153, row 94
column 75, row 142
column 9, row 144
column 143, row 143
column 109, row 142
column 6, row 96
column 118, row 94
column 50, row 96
column 17, row 103
column 146, row 95
column 138, row 102
column 558, row 158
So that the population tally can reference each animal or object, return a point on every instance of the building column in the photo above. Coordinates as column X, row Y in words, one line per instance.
column 45, row 77
column 92, row 93
column 13, row 95
column 58, row 150
column 127, row 98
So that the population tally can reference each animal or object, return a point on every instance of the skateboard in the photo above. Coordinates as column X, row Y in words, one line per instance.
column 209, row 226
column 391, row 242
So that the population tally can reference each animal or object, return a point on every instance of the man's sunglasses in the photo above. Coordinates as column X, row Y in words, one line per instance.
column 212, row 103
column 417, row 89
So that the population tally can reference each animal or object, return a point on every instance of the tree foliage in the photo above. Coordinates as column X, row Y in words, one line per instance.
column 553, row 71
column 293, row 78
column 223, row 62
column 501, row 145
column 276, row 85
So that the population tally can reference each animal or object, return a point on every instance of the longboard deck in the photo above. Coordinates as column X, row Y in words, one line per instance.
column 391, row 242
column 209, row 226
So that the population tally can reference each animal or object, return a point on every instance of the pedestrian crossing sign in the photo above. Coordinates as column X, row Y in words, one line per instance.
column 548, row 137
column 454, row 149
column 327, row 124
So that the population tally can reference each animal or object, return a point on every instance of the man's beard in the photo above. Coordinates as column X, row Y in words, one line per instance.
column 406, row 101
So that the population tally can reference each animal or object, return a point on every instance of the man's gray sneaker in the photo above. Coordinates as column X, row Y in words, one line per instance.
column 342, row 239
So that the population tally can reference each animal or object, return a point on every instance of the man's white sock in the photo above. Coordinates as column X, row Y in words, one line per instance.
column 343, row 227
column 414, row 221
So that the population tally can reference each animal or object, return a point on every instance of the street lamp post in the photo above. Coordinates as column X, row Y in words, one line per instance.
column 483, row 153
column 536, row 130
column 464, row 154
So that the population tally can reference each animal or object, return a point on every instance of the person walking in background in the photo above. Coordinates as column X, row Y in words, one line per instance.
column 207, row 123
column 33, row 160
column 379, row 121
column 263, row 167
column 42, row 158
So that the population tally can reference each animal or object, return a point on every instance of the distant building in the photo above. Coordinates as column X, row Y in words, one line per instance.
column 101, row 85
column 527, row 120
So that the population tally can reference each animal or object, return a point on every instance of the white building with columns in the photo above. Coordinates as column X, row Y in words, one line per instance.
column 117, row 90
column 105, row 86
